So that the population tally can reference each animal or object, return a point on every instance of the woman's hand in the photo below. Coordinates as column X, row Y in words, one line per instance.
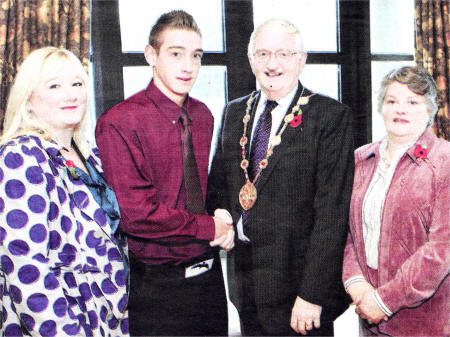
column 357, row 289
column 368, row 308
column 362, row 294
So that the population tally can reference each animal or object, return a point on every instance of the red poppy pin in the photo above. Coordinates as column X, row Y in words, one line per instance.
column 420, row 152
column 71, row 167
column 296, row 120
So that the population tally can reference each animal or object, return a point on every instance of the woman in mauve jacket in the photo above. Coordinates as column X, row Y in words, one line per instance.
column 396, row 260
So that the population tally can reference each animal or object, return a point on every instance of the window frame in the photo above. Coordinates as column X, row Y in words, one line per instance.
column 353, row 56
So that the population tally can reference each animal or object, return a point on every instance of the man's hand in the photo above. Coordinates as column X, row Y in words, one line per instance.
column 368, row 308
column 224, row 231
column 304, row 316
column 225, row 241
column 357, row 289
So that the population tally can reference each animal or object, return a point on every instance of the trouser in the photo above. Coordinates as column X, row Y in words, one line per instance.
column 252, row 321
column 165, row 303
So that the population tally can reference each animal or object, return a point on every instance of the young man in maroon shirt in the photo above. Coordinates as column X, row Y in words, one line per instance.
column 176, row 283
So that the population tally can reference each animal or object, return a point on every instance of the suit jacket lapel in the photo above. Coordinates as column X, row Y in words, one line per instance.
column 287, row 137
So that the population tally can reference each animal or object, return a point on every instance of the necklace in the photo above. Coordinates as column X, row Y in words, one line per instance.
column 248, row 193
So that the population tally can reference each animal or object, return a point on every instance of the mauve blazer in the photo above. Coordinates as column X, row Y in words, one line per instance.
column 414, row 251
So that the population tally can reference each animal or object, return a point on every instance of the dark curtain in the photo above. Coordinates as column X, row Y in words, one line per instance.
column 433, row 53
column 26, row 25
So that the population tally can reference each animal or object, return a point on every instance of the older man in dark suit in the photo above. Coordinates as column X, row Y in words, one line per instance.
column 284, row 167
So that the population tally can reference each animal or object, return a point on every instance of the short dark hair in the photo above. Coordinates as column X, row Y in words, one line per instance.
column 176, row 19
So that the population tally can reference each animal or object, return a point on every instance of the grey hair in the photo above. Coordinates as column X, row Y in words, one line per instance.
column 418, row 81
column 285, row 25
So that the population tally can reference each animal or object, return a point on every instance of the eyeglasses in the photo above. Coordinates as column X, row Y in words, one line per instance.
column 263, row 56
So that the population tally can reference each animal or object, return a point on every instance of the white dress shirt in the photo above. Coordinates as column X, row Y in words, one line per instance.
column 372, row 209
column 278, row 114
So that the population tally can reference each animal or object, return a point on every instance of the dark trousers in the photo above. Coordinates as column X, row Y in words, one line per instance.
column 252, row 321
column 165, row 303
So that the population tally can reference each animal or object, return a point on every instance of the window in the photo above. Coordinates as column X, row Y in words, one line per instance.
column 138, row 16
column 350, row 45
column 389, row 50
column 210, row 86
column 317, row 21
column 392, row 27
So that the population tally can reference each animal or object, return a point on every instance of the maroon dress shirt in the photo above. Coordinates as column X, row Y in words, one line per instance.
column 140, row 147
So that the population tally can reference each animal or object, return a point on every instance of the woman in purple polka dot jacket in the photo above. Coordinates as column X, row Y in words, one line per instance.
column 62, row 270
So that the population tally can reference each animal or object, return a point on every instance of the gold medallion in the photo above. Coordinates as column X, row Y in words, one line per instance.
column 247, row 195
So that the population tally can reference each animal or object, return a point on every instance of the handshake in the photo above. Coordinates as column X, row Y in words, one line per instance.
column 224, row 231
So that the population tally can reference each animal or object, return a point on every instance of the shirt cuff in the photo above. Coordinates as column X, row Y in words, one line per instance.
column 206, row 228
column 240, row 230
column 353, row 279
column 381, row 304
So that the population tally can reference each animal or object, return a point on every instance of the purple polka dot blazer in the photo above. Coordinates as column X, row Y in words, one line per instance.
column 61, row 273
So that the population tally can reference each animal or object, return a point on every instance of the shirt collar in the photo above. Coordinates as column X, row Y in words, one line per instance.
column 400, row 150
column 54, row 151
column 49, row 145
column 164, row 104
column 377, row 149
column 283, row 102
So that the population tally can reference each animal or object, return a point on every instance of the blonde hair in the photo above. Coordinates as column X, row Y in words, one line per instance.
column 274, row 23
column 19, row 121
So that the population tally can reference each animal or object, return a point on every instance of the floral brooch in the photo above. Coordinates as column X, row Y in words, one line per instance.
column 71, row 167
column 420, row 152
column 294, row 120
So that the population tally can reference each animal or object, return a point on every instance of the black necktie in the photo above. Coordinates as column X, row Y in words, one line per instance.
column 194, row 196
column 261, row 138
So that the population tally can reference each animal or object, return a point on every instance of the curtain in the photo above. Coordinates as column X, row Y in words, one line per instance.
column 433, row 53
column 26, row 25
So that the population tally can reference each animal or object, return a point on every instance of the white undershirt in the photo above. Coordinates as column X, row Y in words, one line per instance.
column 373, row 203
